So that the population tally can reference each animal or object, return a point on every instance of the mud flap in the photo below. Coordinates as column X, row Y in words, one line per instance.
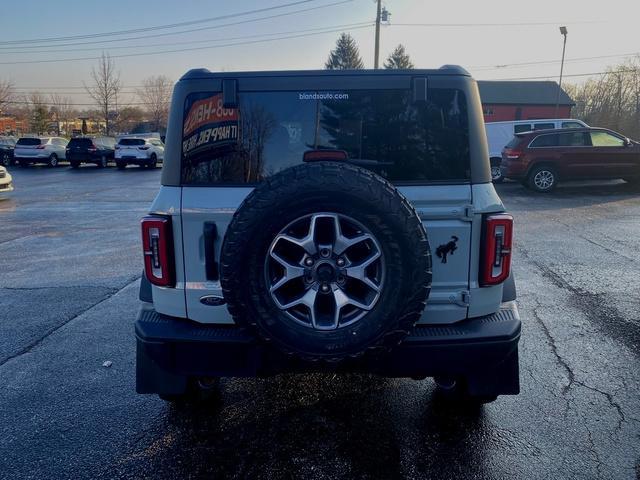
column 504, row 379
column 151, row 378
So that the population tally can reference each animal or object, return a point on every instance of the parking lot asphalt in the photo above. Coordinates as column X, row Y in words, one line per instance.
column 70, row 263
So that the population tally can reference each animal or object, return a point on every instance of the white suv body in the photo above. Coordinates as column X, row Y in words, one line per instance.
column 139, row 151
column 6, row 184
column 291, row 235
column 47, row 150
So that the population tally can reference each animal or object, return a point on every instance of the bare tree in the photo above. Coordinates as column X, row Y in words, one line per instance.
column 612, row 100
column 39, row 117
column 6, row 93
column 105, row 87
column 156, row 95
column 62, row 110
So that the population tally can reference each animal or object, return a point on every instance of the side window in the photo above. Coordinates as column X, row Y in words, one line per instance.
column 604, row 139
column 549, row 140
column 572, row 139
column 522, row 127
column 572, row 125
column 544, row 126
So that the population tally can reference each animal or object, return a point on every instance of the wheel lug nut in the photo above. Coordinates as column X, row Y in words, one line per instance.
column 340, row 262
column 325, row 252
column 308, row 262
column 324, row 287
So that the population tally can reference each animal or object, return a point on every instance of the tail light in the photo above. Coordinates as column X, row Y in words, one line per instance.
column 157, row 244
column 497, row 238
column 146, row 147
column 512, row 154
column 92, row 148
column 117, row 147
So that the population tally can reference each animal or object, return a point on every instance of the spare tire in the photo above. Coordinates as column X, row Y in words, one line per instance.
column 327, row 261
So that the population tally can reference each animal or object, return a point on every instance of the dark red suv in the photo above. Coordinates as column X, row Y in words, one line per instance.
column 542, row 158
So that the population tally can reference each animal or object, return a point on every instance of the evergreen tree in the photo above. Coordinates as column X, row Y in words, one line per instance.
column 399, row 58
column 345, row 56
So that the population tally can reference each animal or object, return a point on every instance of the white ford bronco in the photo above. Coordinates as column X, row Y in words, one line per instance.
column 339, row 221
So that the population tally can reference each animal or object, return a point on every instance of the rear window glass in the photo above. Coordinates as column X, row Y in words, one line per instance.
column 131, row 141
column 29, row 141
column 515, row 141
column 545, row 141
column 80, row 142
column 522, row 128
column 543, row 126
column 382, row 130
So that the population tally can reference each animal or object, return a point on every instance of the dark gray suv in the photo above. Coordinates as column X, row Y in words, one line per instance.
column 327, row 221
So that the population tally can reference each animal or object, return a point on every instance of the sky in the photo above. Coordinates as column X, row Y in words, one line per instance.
column 486, row 37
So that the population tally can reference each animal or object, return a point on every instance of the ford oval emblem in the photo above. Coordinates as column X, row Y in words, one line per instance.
column 212, row 300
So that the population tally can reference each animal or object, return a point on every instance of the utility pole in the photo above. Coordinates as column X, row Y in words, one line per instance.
column 563, row 32
column 377, row 49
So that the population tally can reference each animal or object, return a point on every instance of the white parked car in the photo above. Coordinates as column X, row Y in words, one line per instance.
column 145, row 152
column 501, row 133
column 49, row 150
column 6, row 183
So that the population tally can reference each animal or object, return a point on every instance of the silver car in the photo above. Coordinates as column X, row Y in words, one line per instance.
column 47, row 150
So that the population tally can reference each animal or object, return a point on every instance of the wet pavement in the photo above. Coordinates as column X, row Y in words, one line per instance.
column 70, row 263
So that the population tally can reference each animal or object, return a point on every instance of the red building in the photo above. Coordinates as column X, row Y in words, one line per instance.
column 522, row 100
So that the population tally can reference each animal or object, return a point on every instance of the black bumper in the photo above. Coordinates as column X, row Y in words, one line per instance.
column 482, row 350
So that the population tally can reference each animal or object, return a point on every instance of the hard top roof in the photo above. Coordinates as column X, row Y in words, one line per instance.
column 203, row 73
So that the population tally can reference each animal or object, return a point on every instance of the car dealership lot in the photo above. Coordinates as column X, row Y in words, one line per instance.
column 70, row 265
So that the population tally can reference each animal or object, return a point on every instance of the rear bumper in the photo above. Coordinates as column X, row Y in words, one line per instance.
column 84, row 157
column 131, row 159
column 483, row 350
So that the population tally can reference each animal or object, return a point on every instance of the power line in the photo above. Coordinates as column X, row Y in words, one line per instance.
column 94, row 104
column 191, row 42
column 180, row 50
column 501, row 24
column 165, row 34
column 572, row 75
column 157, row 27
column 546, row 62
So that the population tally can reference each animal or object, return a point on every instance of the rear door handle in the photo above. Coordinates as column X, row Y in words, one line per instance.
column 211, row 265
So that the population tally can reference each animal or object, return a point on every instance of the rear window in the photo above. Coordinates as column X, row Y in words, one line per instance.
column 80, row 142
column 131, row 142
column 29, row 141
column 544, row 126
column 515, row 141
column 525, row 127
column 550, row 140
column 383, row 130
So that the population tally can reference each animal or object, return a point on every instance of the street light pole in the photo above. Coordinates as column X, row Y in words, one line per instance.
column 563, row 31
column 377, row 48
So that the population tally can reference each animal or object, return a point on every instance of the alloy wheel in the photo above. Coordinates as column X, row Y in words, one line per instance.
column 325, row 271
column 544, row 179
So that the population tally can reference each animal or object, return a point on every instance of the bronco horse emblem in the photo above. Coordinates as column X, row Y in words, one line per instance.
column 443, row 250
